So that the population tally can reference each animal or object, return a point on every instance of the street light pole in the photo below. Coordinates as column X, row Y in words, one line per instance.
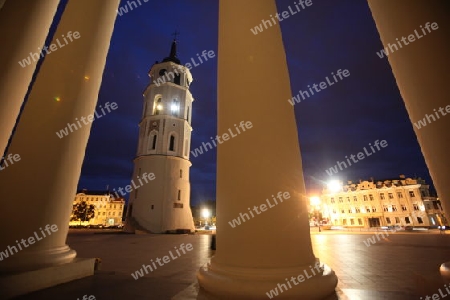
column 317, row 217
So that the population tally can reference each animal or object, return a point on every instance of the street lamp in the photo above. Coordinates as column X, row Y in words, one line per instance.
column 315, row 202
column 334, row 186
column 206, row 214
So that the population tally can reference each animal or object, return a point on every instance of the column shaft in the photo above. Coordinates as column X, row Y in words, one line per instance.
column 421, row 70
column 40, row 188
column 19, row 35
column 261, row 162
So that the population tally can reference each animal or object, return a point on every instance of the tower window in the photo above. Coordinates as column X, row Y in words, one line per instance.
column 187, row 115
column 162, row 72
column 158, row 106
column 154, row 142
column 175, row 107
column 181, row 173
column 152, row 206
column 179, row 194
column 172, row 143
column 177, row 79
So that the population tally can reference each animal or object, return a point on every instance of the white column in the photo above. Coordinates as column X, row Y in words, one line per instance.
column 19, row 36
column 40, row 188
column 275, row 245
column 421, row 70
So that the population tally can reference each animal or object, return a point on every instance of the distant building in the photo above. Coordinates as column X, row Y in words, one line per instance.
column 402, row 201
column 108, row 210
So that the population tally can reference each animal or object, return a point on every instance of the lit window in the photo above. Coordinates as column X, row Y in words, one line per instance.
column 174, row 107
column 158, row 106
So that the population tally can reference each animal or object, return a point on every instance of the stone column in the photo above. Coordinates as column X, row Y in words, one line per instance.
column 421, row 70
column 19, row 36
column 264, row 160
column 40, row 188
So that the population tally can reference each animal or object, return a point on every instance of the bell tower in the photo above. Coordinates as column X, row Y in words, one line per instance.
column 163, row 204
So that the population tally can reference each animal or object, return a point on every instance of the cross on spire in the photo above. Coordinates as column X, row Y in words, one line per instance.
column 175, row 34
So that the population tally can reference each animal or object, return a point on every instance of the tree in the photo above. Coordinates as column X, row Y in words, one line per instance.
column 82, row 211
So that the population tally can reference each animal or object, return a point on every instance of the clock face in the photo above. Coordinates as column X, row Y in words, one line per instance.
column 162, row 72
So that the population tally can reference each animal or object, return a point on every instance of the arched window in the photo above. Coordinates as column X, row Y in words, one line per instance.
column 158, row 107
column 177, row 79
column 172, row 143
column 175, row 107
column 152, row 140
column 187, row 116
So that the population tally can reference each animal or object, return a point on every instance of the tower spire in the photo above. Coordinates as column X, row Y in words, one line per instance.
column 173, row 50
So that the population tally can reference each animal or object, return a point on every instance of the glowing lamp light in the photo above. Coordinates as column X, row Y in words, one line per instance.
column 159, row 107
column 206, row 213
column 315, row 201
column 334, row 186
column 174, row 107
column 57, row 99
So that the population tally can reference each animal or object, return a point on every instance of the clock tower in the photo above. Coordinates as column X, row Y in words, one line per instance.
column 163, row 205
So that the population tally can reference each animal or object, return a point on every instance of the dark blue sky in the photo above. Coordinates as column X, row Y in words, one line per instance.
column 338, row 121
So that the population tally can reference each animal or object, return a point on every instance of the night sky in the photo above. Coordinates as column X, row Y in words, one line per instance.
column 334, row 123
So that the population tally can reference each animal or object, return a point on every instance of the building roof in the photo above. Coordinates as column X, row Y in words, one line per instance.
column 94, row 193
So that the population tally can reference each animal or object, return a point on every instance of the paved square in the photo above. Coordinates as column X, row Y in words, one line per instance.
column 401, row 266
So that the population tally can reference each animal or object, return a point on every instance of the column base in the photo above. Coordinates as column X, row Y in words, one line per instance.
column 25, row 261
column 226, row 282
column 444, row 269
column 27, row 282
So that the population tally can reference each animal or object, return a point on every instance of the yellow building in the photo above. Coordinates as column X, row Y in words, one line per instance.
column 108, row 210
column 393, row 202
